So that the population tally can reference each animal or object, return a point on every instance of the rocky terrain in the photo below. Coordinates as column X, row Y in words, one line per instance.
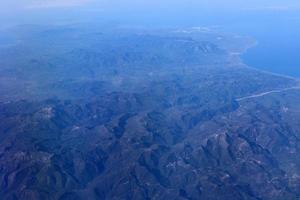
column 115, row 113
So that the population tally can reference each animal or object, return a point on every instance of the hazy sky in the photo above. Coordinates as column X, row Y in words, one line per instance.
column 26, row 11
column 142, row 4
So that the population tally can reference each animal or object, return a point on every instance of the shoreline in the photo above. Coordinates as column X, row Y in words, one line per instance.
column 244, row 63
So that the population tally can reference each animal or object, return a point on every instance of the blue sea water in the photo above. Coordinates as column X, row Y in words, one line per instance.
column 278, row 39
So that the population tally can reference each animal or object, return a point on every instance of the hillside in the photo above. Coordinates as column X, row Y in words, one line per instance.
column 120, row 113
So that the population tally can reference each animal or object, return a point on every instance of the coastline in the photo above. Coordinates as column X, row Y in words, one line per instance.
column 244, row 63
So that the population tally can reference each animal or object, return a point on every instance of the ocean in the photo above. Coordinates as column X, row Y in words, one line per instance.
column 278, row 37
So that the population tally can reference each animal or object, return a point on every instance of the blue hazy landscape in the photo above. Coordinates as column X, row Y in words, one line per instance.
column 142, row 100
column 276, row 32
column 274, row 24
